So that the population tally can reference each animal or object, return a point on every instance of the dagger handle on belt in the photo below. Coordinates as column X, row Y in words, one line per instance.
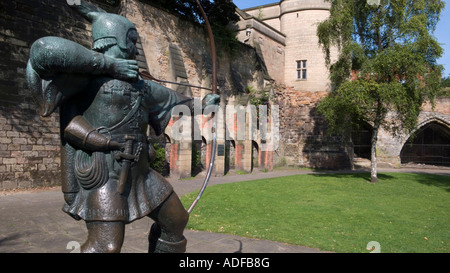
column 127, row 156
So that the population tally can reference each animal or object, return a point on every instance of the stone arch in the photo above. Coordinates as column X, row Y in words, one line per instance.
column 433, row 119
column 230, row 155
column 197, row 163
column 160, row 153
column 429, row 144
column 203, row 152
column 255, row 155
column 167, row 143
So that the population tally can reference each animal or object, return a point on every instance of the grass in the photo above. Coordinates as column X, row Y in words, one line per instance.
column 405, row 213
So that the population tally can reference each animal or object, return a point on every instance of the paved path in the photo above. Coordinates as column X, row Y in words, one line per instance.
column 33, row 222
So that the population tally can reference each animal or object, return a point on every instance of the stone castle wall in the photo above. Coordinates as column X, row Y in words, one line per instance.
column 389, row 147
column 303, row 133
column 29, row 144
column 302, row 45
column 304, row 141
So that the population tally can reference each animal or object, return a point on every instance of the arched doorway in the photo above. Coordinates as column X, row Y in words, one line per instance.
column 167, row 147
column 429, row 145
column 230, row 155
column 203, row 153
column 197, row 165
column 160, row 154
column 255, row 155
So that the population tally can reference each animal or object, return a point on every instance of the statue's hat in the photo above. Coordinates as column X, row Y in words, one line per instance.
column 108, row 27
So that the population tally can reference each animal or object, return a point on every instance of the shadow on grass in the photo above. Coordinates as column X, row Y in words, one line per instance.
column 355, row 175
column 436, row 180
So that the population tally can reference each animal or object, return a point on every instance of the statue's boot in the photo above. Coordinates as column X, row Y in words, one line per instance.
column 158, row 245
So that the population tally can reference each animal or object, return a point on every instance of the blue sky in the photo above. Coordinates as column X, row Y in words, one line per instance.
column 443, row 36
column 243, row 4
column 442, row 32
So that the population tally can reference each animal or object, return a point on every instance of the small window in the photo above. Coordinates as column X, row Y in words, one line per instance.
column 301, row 70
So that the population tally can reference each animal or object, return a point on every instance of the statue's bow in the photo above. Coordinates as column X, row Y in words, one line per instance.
column 214, row 91
column 213, row 88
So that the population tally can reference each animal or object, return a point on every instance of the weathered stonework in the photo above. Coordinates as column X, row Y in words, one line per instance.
column 30, row 145
column 303, row 132
column 273, row 38
column 292, row 25
column 389, row 147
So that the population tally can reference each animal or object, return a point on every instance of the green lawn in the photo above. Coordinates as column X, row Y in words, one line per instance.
column 334, row 212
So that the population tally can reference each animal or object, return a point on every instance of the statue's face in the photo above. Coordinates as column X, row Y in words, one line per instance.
column 132, row 37
column 130, row 52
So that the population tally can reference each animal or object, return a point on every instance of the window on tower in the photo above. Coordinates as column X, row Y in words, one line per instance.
column 301, row 70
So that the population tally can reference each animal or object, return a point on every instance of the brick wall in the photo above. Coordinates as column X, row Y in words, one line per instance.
column 29, row 144
column 304, row 141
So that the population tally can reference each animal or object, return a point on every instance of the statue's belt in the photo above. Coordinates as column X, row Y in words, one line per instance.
column 91, row 170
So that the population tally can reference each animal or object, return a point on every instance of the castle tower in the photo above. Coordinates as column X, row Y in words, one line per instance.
column 305, row 67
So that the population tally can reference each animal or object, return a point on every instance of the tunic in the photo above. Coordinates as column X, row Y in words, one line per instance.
column 118, row 109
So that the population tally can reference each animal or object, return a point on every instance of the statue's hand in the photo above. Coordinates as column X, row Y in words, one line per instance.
column 123, row 69
column 210, row 99
column 114, row 145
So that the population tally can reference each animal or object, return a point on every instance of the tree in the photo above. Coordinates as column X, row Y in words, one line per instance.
column 389, row 48
column 221, row 11
column 221, row 14
column 446, row 82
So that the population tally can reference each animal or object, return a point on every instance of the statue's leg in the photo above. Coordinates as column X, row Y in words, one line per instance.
column 166, row 234
column 104, row 237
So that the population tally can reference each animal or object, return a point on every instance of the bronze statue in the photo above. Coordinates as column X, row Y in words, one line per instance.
column 105, row 108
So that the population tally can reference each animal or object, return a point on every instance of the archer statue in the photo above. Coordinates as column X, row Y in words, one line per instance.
column 105, row 108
